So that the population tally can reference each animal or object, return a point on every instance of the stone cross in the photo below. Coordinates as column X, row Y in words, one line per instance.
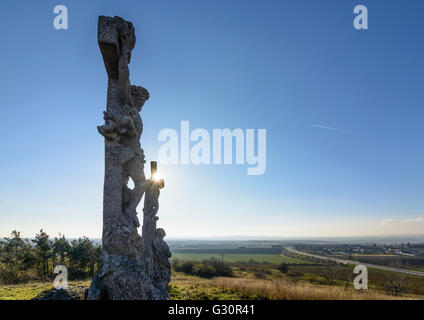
column 134, row 266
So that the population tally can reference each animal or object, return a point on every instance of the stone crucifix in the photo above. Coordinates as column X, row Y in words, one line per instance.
column 134, row 266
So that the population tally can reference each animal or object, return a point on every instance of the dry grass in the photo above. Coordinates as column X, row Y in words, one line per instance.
column 186, row 287
column 287, row 290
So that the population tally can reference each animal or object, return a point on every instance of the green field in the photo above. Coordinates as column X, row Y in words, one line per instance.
column 236, row 257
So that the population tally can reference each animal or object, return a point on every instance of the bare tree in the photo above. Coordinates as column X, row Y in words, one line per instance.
column 396, row 284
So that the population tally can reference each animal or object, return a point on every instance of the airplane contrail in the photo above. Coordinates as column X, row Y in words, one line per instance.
column 331, row 128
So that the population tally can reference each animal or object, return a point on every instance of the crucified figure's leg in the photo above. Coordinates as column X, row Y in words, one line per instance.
column 134, row 170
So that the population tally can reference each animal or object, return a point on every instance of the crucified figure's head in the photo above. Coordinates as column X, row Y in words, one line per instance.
column 139, row 96
column 160, row 233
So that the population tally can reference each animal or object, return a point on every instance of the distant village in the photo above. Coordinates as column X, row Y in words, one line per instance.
column 402, row 249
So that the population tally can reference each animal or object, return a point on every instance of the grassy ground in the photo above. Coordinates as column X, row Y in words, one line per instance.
column 231, row 258
column 185, row 287
column 258, row 281
column 182, row 287
column 29, row 290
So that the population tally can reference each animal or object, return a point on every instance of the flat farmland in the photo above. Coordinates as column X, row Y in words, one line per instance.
column 236, row 257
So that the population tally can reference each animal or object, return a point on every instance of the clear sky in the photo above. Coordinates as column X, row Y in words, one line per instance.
column 343, row 110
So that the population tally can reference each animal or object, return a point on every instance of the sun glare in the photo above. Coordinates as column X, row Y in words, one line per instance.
column 157, row 177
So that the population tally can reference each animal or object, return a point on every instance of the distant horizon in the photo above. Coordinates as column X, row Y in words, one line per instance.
column 259, row 238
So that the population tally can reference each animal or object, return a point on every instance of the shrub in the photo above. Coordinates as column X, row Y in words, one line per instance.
column 260, row 273
column 185, row 267
column 12, row 276
column 206, row 269
column 283, row 267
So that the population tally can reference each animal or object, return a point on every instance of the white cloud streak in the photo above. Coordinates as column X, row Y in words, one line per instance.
column 392, row 221
column 331, row 128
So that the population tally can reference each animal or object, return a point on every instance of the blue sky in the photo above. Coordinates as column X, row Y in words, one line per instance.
column 290, row 67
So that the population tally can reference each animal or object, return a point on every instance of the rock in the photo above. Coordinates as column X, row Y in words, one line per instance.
column 70, row 293
column 126, row 280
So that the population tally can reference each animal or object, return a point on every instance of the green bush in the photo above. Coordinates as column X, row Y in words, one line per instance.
column 283, row 267
column 11, row 276
column 185, row 267
column 206, row 269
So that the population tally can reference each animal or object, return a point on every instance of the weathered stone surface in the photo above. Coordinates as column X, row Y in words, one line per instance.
column 109, row 31
column 70, row 293
column 124, row 279
column 134, row 266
